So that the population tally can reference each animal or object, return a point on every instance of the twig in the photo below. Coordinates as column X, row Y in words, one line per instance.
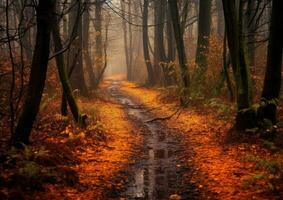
column 154, row 108
column 178, row 111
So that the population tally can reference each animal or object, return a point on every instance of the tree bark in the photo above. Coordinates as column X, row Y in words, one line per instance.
column 77, row 78
column 125, row 30
column 98, row 36
column 86, row 52
column 21, row 8
column 181, row 51
column 171, row 43
column 171, row 46
column 130, row 67
column 204, row 27
column 220, row 19
column 68, row 93
column 159, row 49
column 234, row 25
column 272, row 81
column 45, row 10
column 150, row 73
column 251, row 27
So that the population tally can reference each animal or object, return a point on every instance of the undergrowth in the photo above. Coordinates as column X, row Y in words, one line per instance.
column 269, row 175
column 22, row 168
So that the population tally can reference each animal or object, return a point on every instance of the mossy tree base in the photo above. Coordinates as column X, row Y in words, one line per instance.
column 246, row 120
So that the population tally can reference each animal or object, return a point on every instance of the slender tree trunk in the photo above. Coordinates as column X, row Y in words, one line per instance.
column 45, row 10
column 64, row 104
column 272, row 81
column 171, row 43
column 86, row 52
column 98, row 37
column 125, row 30
column 156, row 54
column 251, row 27
column 150, row 73
column 77, row 78
column 226, row 64
column 184, row 15
column 130, row 67
column 159, row 49
column 190, row 33
column 21, row 8
column 105, row 45
column 204, row 27
column 171, row 46
column 62, row 71
column 235, row 36
column 181, row 51
column 220, row 19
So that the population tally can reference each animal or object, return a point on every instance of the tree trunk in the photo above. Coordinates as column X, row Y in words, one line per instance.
column 150, row 73
column 86, row 52
column 21, row 8
column 184, row 15
column 45, row 10
column 98, row 37
column 130, row 67
column 251, row 27
column 77, row 78
column 159, row 49
column 181, row 51
column 63, row 73
column 125, row 30
column 171, row 43
column 226, row 64
column 220, row 19
column 272, row 81
column 171, row 46
column 236, row 43
column 204, row 27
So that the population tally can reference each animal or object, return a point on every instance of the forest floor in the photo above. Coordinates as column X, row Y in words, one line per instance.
column 139, row 144
column 226, row 164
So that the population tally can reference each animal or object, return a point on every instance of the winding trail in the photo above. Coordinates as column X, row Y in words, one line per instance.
column 160, row 172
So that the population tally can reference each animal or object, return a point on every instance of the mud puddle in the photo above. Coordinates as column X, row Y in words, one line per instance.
column 159, row 174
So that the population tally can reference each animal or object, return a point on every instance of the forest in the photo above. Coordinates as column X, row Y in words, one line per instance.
column 141, row 99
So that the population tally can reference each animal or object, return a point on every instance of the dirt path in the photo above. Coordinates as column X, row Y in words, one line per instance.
column 224, row 163
column 122, row 154
column 160, row 172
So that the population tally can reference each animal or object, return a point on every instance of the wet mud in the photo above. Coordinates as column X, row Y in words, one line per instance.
column 161, row 172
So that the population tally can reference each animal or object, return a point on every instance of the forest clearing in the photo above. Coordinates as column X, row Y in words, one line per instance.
column 141, row 99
